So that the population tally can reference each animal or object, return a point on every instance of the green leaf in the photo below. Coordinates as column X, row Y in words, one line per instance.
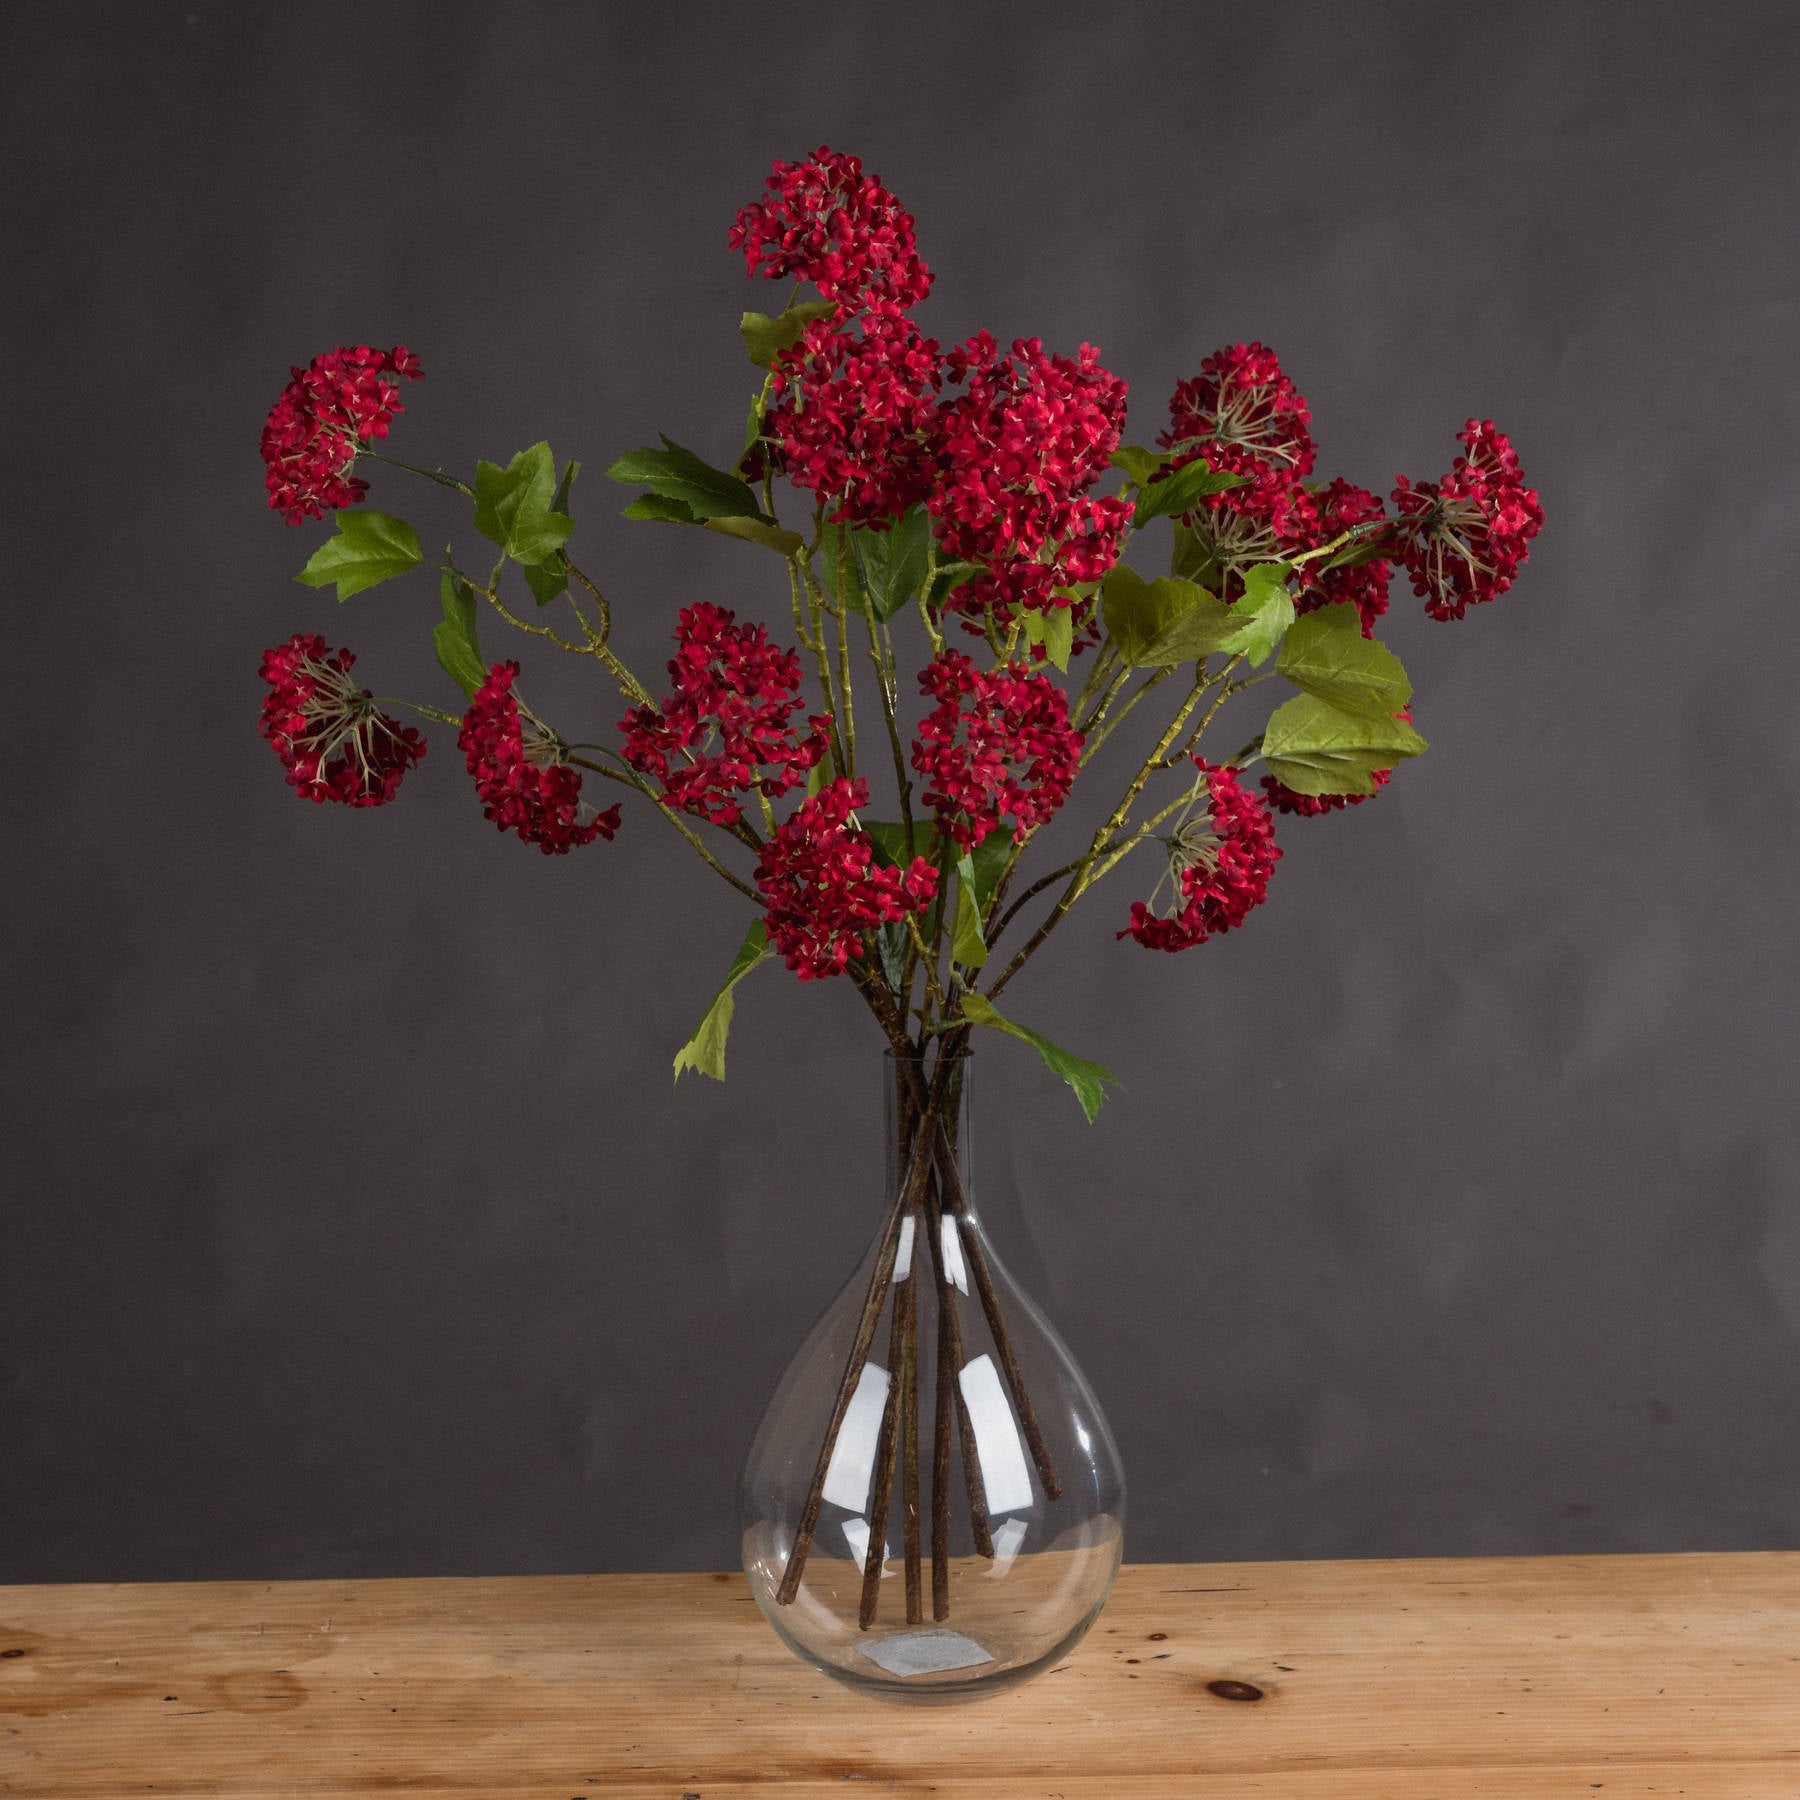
column 893, row 561
column 890, row 841
column 1264, row 613
column 766, row 338
column 758, row 531
column 1193, row 559
column 660, row 506
column 990, row 857
column 547, row 579
column 753, row 423
column 966, row 943
column 1313, row 747
column 1157, row 624
column 513, row 506
column 892, row 943
column 679, row 475
column 455, row 640
column 1177, row 493
column 1086, row 1079
column 704, row 1052
column 1326, row 654
column 948, row 579
column 1138, row 463
column 820, row 775
column 1054, row 631
column 369, row 547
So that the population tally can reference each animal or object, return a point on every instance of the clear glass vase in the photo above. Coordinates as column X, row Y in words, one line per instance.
column 932, row 1508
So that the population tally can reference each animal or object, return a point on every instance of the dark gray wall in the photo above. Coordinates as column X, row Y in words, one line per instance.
column 353, row 1224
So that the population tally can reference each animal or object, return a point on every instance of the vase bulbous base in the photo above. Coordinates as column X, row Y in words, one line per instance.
column 993, row 1638
column 932, row 1508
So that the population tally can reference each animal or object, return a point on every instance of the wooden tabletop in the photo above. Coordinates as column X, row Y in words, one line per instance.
column 1469, row 1680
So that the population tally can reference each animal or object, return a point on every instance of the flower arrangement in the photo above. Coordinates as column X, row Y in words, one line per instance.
column 971, row 510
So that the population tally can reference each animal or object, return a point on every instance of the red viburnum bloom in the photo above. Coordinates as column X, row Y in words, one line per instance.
column 825, row 221
column 1338, row 506
column 522, row 771
column 1222, row 867
column 1464, row 538
column 1016, row 452
column 998, row 743
column 339, row 402
column 851, row 418
column 332, row 741
column 728, row 728
column 822, row 889
column 1242, row 415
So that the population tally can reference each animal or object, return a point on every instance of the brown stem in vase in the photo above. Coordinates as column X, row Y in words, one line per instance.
column 875, row 1556
column 879, row 1282
column 950, row 1406
column 983, row 1278
column 906, row 1379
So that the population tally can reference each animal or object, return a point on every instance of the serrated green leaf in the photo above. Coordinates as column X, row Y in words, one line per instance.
column 1315, row 748
column 455, row 639
column 1053, row 631
column 513, row 506
column 678, row 474
column 766, row 338
column 1087, row 1080
column 1263, row 614
column 1161, row 623
column 704, row 1052
column 1177, row 493
column 370, row 547
column 893, row 561
column 1138, row 463
column 560, row 503
column 1325, row 653
column 966, row 943
column 547, row 579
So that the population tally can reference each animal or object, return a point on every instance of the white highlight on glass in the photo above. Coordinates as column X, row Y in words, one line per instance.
column 998, row 1447
column 955, row 1271
column 903, row 1255
column 856, row 1535
column 853, row 1455
column 1007, row 1540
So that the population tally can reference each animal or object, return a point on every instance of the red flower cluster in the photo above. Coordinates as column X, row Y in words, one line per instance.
column 1464, row 538
column 1364, row 585
column 1242, row 415
column 998, row 743
column 852, row 418
column 340, row 401
column 1017, row 450
column 825, row 221
column 728, row 727
column 522, row 773
column 1223, row 869
column 326, row 730
column 822, row 889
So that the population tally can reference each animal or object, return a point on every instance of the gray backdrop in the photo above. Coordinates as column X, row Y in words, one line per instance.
column 354, row 1226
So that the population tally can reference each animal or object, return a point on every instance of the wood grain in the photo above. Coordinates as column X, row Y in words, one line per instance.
column 1442, row 1680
